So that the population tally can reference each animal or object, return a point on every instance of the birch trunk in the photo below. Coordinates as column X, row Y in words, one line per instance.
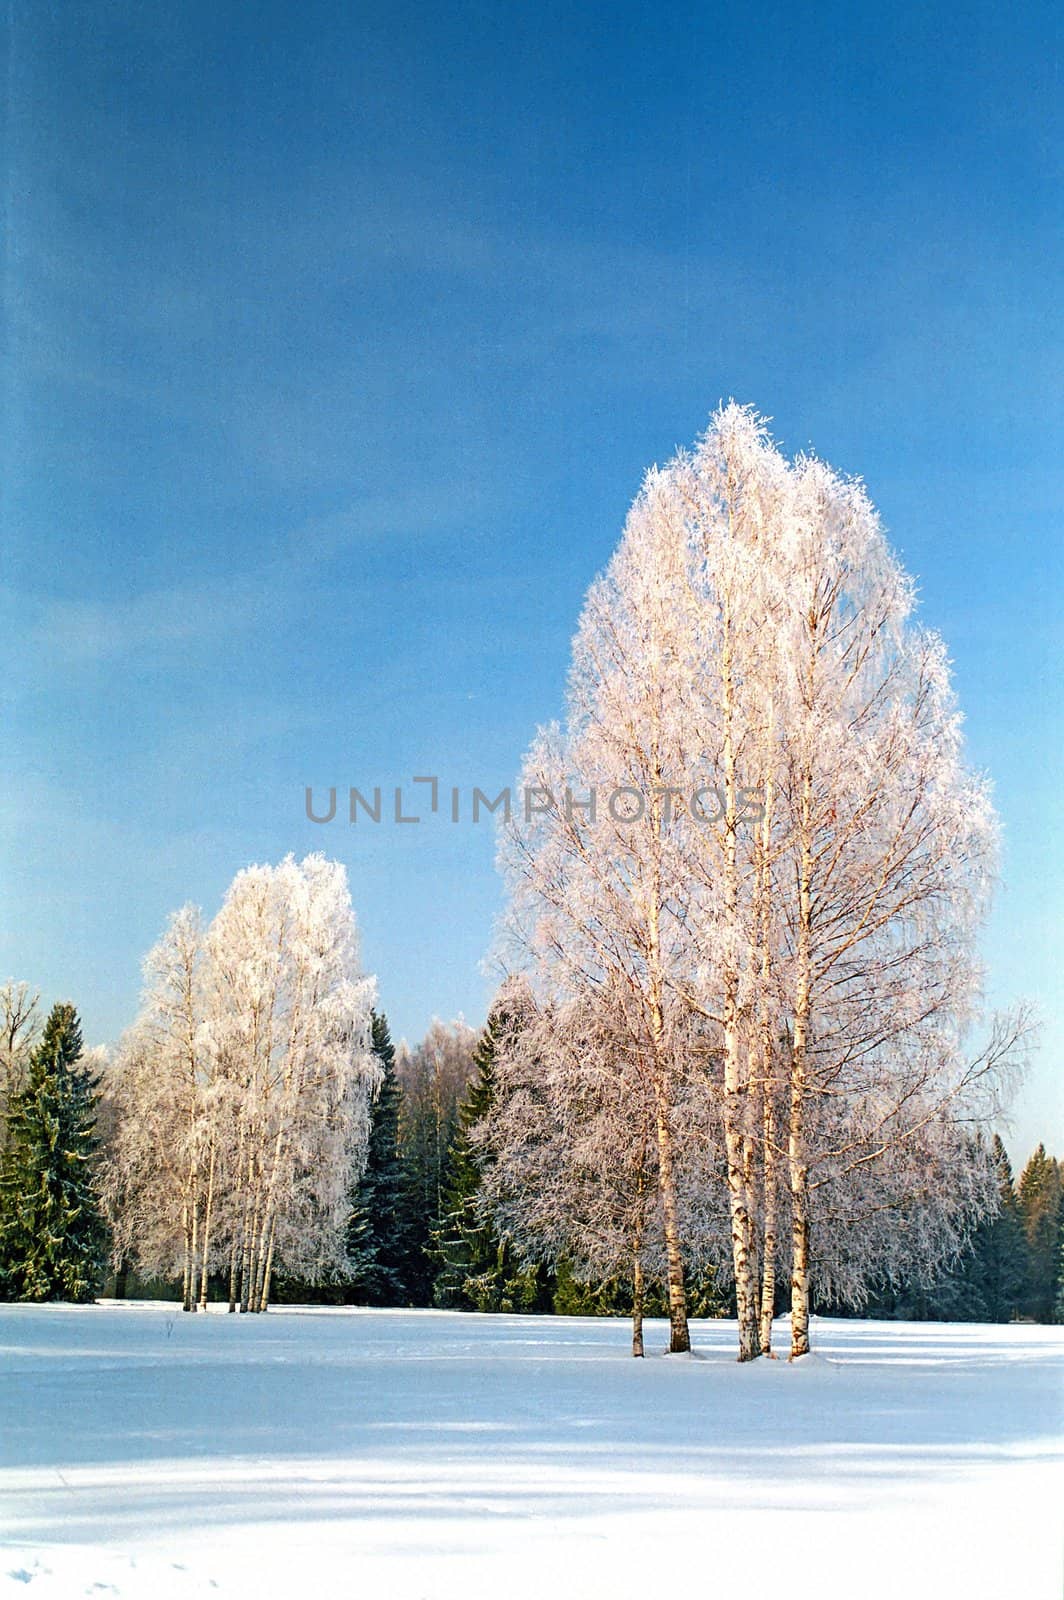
column 237, row 1246
column 192, row 1198
column 637, row 1304
column 638, row 1286
column 768, row 1260
column 679, row 1334
column 796, row 1151
column 799, row 1175
column 258, row 1283
column 246, row 1234
column 269, row 1215
column 208, row 1207
column 186, row 1278
column 767, row 1054
column 247, row 1295
column 193, row 1255
column 736, row 1091
column 188, row 1220
column 264, row 1299
column 234, row 1250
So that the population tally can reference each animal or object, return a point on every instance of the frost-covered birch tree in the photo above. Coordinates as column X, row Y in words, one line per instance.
column 574, row 1157
column 598, row 887
column 730, row 496
column 157, row 1091
column 242, row 1094
column 803, row 866
column 20, row 1026
column 292, row 1022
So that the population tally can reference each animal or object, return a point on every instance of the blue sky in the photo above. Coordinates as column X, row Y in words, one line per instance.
column 337, row 340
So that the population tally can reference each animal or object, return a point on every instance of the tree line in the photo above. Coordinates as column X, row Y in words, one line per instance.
column 418, row 1228
column 740, row 1056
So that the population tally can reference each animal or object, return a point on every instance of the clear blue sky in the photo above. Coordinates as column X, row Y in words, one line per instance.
column 338, row 338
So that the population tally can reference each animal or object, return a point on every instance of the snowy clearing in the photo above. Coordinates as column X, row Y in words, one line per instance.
column 436, row 1454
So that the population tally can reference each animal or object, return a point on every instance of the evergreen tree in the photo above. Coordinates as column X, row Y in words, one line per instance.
column 957, row 1294
column 1058, row 1304
column 1039, row 1200
column 614, row 1298
column 1001, row 1246
column 960, row 1295
column 433, row 1078
column 374, row 1241
column 987, row 1283
column 52, row 1237
column 475, row 1268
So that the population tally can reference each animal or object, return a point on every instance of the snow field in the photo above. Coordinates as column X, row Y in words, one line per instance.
column 153, row 1455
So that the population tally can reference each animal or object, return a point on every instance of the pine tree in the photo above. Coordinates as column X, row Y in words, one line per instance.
column 52, row 1237
column 476, row 1271
column 374, row 1239
column 1039, row 1199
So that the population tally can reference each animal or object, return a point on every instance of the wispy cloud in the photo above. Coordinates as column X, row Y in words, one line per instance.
column 280, row 588
column 408, row 513
column 84, row 631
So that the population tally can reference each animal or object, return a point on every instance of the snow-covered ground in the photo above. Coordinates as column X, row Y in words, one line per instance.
column 431, row 1454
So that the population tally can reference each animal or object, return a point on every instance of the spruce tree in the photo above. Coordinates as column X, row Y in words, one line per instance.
column 1058, row 1303
column 1001, row 1247
column 375, row 1234
column 987, row 1283
column 433, row 1078
column 614, row 1298
column 1039, row 1199
column 475, row 1268
column 52, row 1237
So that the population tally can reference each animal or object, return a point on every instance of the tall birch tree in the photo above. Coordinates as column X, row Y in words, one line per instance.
column 803, row 868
